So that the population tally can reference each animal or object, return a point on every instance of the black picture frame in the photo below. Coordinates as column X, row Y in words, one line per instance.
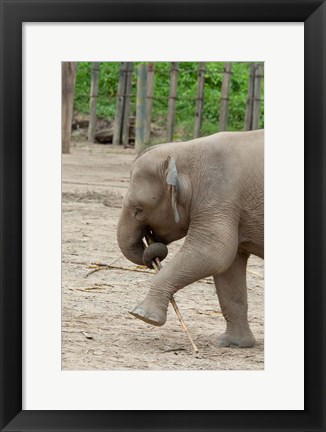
column 13, row 14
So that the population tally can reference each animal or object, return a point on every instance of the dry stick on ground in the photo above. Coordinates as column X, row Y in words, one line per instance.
column 100, row 266
column 157, row 266
column 103, row 266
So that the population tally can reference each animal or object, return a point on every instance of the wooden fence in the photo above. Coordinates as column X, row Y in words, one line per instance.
column 145, row 101
column 145, row 97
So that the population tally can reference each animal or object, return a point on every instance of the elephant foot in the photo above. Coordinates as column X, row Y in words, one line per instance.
column 233, row 340
column 145, row 311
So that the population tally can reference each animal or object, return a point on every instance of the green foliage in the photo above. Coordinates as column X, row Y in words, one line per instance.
column 186, row 94
column 108, row 83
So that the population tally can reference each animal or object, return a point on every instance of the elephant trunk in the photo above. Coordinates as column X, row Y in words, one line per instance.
column 130, row 238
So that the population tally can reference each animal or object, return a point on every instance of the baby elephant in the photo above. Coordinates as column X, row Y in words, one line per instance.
column 210, row 190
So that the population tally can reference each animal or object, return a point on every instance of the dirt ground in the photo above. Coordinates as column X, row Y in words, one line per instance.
column 98, row 333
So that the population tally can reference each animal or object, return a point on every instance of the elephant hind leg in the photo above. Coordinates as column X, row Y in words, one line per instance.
column 231, row 288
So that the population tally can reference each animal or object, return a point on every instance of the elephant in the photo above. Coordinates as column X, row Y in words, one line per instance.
column 209, row 190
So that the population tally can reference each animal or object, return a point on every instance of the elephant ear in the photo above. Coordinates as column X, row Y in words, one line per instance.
column 172, row 181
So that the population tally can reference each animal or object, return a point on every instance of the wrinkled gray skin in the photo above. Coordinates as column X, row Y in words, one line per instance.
column 210, row 190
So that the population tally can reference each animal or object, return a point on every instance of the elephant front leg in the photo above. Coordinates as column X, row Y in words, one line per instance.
column 192, row 262
column 231, row 290
column 153, row 309
column 172, row 277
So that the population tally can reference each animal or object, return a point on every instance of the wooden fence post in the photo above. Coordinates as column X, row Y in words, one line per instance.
column 126, row 106
column 225, row 93
column 199, row 99
column 141, row 108
column 149, row 102
column 172, row 100
column 250, row 98
column 68, row 80
column 117, row 134
column 257, row 96
column 93, row 101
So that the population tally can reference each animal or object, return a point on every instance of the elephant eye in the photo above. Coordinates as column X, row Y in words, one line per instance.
column 137, row 210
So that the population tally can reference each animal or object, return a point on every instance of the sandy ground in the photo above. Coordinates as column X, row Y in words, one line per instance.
column 97, row 330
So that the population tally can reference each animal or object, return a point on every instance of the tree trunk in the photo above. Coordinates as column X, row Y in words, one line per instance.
column 117, row 137
column 126, row 106
column 68, row 75
column 141, row 108
column 250, row 98
column 199, row 99
column 257, row 97
column 149, row 103
column 172, row 100
column 93, row 101
column 225, row 93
